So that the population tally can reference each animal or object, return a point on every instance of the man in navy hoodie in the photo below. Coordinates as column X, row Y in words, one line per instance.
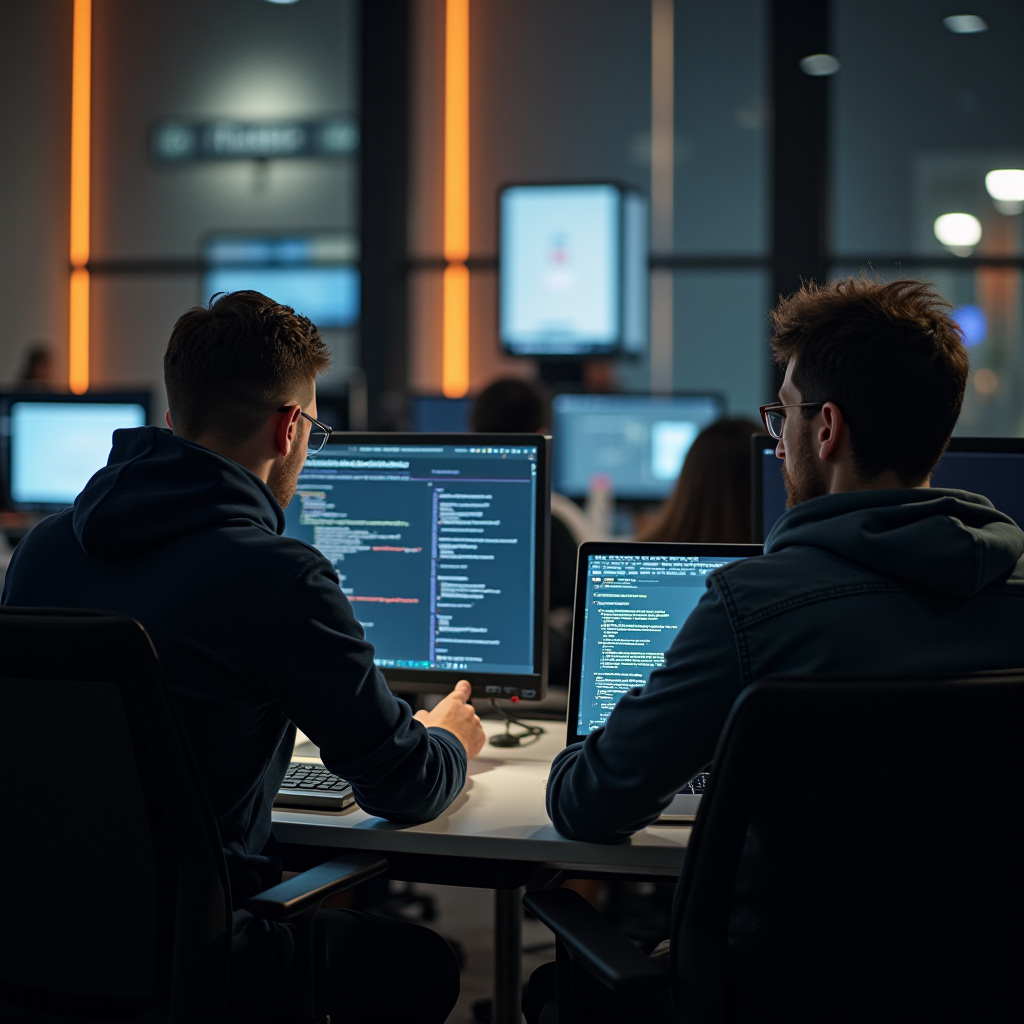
column 182, row 531
column 870, row 571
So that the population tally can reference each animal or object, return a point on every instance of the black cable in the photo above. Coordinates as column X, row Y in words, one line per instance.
column 507, row 738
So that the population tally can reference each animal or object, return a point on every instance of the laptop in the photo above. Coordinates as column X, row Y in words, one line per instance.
column 631, row 600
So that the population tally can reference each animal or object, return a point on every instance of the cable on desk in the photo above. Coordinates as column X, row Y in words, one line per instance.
column 507, row 738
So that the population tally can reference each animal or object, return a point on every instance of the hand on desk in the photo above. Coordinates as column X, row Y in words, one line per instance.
column 458, row 716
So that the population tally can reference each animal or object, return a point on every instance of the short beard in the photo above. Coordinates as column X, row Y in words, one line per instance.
column 284, row 475
column 799, row 472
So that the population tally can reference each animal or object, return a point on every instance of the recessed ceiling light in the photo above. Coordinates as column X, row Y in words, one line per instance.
column 1006, row 187
column 958, row 232
column 818, row 65
column 965, row 24
column 282, row 1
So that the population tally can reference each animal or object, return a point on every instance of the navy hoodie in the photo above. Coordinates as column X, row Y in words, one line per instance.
column 252, row 630
column 897, row 582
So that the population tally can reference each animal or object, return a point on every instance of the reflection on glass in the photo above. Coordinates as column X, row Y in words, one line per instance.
column 919, row 116
column 989, row 306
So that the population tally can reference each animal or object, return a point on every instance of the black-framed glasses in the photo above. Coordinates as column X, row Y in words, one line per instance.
column 319, row 433
column 774, row 416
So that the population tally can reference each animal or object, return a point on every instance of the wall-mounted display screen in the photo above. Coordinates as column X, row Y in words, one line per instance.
column 329, row 296
column 315, row 274
column 573, row 270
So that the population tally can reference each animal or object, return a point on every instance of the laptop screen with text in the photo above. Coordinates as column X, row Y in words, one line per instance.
column 631, row 601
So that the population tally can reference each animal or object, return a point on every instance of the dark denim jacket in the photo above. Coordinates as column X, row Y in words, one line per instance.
column 871, row 582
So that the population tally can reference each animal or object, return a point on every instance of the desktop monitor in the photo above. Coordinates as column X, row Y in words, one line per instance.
column 638, row 442
column 435, row 414
column 573, row 277
column 631, row 601
column 317, row 274
column 992, row 466
column 50, row 445
column 441, row 545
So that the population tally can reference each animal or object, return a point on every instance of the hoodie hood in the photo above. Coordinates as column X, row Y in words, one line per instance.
column 952, row 542
column 156, row 487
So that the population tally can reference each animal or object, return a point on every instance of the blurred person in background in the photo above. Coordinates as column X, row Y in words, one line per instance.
column 37, row 371
column 712, row 501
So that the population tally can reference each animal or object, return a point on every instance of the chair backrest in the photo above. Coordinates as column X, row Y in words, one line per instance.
column 115, row 895
column 859, row 855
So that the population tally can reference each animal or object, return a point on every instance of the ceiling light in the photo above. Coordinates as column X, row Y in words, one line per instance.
column 1006, row 187
column 817, row 65
column 958, row 232
column 965, row 24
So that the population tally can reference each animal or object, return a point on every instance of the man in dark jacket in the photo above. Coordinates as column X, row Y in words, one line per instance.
column 182, row 531
column 870, row 571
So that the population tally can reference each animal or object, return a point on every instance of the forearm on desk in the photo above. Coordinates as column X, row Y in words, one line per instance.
column 622, row 776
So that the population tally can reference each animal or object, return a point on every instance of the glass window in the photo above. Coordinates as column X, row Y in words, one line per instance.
column 990, row 311
column 919, row 115
column 720, row 338
column 721, row 138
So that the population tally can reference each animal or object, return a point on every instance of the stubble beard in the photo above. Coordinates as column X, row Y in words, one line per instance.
column 284, row 475
column 799, row 472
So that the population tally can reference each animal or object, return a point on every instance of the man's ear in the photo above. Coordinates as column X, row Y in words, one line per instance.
column 830, row 430
column 167, row 417
column 287, row 428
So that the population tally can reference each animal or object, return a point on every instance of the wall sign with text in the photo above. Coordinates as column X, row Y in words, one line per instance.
column 174, row 141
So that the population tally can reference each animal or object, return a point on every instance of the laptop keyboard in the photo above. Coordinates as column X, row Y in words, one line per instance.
column 313, row 786
column 697, row 784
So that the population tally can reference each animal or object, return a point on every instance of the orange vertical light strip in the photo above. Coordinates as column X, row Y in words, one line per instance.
column 455, row 365
column 81, row 129
column 455, row 317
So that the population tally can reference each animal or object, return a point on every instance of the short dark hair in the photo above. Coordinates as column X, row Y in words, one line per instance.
column 891, row 358
column 229, row 365
column 510, row 406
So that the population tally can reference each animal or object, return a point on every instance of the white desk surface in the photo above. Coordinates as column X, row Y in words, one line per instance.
column 499, row 815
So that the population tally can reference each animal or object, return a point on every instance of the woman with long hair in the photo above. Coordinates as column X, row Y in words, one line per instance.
column 712, row 501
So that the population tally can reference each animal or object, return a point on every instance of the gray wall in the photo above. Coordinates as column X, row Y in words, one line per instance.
column 192, row 59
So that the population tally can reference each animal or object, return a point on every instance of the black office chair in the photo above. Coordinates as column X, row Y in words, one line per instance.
column 858, row 856
column 113, row 886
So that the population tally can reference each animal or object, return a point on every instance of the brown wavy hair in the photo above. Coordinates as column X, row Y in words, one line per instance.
column 891, row 358
column 712, row 501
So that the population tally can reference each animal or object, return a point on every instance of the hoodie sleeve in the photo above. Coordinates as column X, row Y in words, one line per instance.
column 336, row 695
column 658, row 737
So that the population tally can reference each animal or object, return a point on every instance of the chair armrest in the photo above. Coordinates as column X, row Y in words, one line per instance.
column 304, row 893
column 595, row 945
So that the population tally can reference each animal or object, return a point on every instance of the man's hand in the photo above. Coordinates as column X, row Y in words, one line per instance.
column 457, row 715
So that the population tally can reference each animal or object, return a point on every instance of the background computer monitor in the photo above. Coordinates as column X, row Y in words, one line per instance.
column 50, row 445
column 573, row 270
column 637, row 441
column 317, row 274
column 435, row 414
column 991, row 466
column 442, row 549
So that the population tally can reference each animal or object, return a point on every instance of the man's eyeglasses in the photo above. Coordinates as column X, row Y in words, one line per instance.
column 318, row 432
column 774, row 416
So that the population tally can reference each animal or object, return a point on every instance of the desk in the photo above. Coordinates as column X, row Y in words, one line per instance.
column 498, row 822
